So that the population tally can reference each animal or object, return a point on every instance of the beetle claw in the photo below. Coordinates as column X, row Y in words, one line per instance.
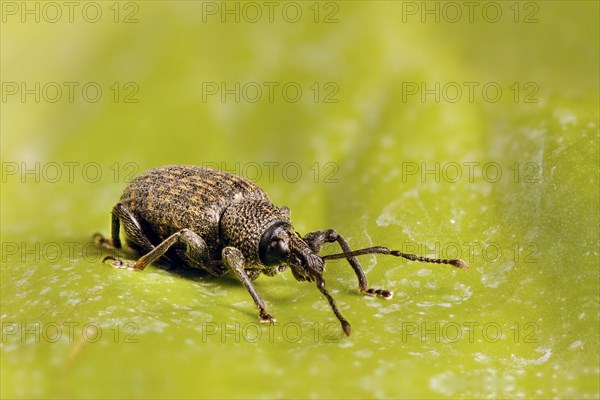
column 118, row 263
column 100, row 240
column 386, row 294
column 265, row 318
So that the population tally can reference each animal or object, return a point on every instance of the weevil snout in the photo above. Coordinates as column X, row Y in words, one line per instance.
column 304, row 263
column 306, row 266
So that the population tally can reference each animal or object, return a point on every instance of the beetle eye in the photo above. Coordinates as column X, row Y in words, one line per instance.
column 274, row 246
column 278, row 251
column 279, row 246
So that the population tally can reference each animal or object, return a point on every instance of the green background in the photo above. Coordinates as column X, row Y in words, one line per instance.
column 378, row 162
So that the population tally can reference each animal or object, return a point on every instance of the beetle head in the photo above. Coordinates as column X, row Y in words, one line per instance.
column 280, row 244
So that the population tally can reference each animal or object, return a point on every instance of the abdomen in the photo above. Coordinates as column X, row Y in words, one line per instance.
column 168, row 199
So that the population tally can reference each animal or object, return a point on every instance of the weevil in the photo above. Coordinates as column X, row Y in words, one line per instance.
column 201, row 218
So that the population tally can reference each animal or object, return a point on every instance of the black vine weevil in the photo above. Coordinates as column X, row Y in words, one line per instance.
column 203, row 218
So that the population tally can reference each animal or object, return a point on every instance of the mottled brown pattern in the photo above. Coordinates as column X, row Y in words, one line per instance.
column 168, row 199
column 243, row 224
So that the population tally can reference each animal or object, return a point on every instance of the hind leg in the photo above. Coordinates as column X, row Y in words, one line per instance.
column 193, row 251
column 122, row 215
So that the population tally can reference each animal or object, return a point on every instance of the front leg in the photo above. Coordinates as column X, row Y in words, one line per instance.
column 315, row 241
column 234, row 259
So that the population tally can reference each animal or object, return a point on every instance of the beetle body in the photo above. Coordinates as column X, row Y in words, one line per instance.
column 168, row 199
column 197, row 217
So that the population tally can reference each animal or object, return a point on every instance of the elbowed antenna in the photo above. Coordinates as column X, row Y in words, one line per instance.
column 315, row 271
column 384, row 250
column 321, row 285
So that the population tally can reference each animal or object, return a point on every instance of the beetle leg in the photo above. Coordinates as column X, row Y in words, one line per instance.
column 315, row 241
column 234, row 259
column 102, row 241
column 118, row 263
column 195, row 246
column 122, row 215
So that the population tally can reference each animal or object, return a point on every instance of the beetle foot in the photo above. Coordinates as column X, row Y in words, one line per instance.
column 265, row 318
column 118, row 263
column 100, row 240
column 386, row 294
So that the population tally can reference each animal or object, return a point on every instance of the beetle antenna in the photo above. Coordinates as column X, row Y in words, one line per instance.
column 384, row 250
column 321, row 286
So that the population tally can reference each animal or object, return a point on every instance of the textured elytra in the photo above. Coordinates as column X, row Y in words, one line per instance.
column 167, row 199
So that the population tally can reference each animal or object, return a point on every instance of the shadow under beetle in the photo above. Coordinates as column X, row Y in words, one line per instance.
column 202, row 218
